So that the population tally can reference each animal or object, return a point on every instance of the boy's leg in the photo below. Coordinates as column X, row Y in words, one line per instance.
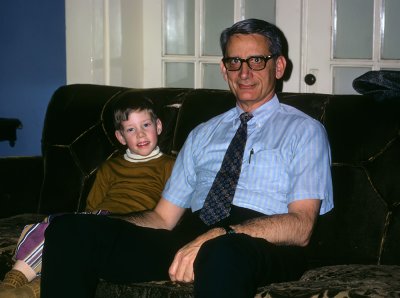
column 80, row 249
column 29, row 250
column 27, row 255
column 28, row 259
column 236, row 265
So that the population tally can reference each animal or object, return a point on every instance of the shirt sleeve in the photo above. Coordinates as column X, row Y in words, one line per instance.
column 180, row 186
column 310, row 165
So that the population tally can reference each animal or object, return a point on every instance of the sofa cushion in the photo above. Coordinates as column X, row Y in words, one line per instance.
column 154, row 289
column 330, row 281
column 341, row 281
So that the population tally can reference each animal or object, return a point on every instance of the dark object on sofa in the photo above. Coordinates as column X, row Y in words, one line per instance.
column 8, row 130
column 355, row 249
column 381, row 84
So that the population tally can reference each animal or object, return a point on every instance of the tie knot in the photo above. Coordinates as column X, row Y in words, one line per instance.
column 244, row 117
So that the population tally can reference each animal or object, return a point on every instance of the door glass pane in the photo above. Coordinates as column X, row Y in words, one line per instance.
column 213, row 78
column 391, row 36
column 179, row 74
column 218, row 15
column 179, row 27
column 343, row 79
column 354, row 29
column 260, row 9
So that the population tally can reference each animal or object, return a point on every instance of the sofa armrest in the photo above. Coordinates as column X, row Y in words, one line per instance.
column 20, row 183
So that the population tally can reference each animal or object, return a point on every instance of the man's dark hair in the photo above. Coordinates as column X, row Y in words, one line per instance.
column 130, row 102
column 254, row 26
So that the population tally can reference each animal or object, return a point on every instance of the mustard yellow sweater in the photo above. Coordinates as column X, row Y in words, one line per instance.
column 122, row 186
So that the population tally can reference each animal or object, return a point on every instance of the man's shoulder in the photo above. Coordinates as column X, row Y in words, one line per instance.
column 297, row 115
column 226, row 116
column 291, row 110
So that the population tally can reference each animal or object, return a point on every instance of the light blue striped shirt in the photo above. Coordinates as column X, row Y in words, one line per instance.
column 287, row 158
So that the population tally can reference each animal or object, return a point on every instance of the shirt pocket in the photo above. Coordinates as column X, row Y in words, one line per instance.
column 267, row 171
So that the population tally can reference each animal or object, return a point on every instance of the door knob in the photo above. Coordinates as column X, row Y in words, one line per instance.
column 310, row 79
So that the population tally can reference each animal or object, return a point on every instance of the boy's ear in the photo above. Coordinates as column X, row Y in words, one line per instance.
column 159, row 126
column 120, row 137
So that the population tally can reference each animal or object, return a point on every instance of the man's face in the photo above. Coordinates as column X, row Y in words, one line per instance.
column 252, row 88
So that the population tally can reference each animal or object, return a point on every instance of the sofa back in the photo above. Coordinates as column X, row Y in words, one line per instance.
column 78, row 137
column 364, row 134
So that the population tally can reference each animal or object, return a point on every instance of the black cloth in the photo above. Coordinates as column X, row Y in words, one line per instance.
column 8, row 130
column 81, row 249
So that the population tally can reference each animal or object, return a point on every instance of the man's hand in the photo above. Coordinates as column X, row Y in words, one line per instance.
column 181, row 268
column 293, row 228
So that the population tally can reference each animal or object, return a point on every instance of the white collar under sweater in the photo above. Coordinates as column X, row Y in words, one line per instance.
column 132, row 157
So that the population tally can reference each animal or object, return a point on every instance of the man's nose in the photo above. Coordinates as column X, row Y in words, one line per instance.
column 244, row 70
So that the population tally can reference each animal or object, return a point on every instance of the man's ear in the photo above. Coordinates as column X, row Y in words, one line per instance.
column 280, row 66
column 223, row 71
column 159, row 126
column 120, row 137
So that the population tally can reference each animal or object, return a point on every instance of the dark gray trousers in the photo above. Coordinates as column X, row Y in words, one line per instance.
column 81, row 249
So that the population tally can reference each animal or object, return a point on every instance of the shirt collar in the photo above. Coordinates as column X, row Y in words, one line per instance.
column 262, row 113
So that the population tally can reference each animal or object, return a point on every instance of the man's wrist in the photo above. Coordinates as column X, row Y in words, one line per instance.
column 229, row 230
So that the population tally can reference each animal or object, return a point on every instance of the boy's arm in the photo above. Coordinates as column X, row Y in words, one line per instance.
column 164, row 216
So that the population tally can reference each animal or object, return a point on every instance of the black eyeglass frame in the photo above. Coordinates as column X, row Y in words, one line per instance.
column 265, row 58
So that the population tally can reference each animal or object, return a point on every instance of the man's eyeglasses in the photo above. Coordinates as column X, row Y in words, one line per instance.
column 254, row 62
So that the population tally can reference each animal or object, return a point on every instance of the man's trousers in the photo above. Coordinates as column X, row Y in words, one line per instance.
column 81, row 249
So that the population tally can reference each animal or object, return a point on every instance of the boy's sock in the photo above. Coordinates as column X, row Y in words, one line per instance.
column 27, row 270
column 29, row 290
column 13, row 279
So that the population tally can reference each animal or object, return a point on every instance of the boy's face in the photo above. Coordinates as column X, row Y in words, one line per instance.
column 139, row 133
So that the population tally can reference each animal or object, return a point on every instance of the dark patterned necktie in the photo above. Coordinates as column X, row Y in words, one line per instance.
column 217, row 205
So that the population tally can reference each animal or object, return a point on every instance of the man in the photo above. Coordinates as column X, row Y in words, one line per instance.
column 233, row 241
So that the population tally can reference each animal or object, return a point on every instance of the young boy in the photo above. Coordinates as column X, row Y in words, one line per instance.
column 126, row 183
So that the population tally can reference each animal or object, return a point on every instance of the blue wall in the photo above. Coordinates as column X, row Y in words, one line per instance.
column 32, row 66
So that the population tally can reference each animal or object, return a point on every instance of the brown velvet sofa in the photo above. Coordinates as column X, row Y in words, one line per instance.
column 355, row 249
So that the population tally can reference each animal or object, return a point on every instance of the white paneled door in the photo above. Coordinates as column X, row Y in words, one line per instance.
column 342, row 39
column 154, row 43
